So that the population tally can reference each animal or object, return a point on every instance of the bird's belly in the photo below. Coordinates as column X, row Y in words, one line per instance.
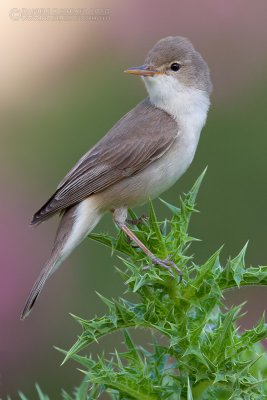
column 154, row 179
column 162, row 174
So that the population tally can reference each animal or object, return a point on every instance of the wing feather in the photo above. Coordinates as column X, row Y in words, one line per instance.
column 123, row 152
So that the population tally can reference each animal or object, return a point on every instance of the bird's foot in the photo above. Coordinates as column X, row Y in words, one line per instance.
column 167, row 264
column 140, row 220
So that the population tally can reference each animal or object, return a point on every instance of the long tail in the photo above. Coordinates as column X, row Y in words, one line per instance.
column 76, row 223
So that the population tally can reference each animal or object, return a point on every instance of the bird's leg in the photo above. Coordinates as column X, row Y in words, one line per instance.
column 120, row 215
column 137, row 221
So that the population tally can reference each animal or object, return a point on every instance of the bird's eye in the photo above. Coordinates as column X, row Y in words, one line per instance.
column 175, row 66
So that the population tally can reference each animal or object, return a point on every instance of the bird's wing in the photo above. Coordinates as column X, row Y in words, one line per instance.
column 133, row 143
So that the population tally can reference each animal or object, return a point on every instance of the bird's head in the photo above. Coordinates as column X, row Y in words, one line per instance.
column 173, row 67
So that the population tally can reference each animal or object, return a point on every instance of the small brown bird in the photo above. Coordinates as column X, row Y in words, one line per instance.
column 144, row 154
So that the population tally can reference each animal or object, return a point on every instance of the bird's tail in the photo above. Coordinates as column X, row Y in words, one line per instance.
column 76, row 223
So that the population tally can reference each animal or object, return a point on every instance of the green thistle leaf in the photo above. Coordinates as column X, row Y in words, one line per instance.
column 197, row 350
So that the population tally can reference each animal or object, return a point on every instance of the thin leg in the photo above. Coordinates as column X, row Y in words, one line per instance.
column 120, row 216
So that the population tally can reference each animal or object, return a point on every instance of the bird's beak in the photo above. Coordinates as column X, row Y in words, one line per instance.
column 143, row 70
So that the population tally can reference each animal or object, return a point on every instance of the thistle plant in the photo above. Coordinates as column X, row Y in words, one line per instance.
column 196, row 349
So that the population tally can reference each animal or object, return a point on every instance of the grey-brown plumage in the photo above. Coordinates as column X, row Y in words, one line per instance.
column 178, row 48
column 141, row 156
column 101, row 167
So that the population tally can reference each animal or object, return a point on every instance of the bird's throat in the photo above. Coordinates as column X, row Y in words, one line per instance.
column 185, row 104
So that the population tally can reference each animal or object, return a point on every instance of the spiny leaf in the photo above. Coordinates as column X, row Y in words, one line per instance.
column 198, row 351
column 65, row 395
column 251, row 277
column 208, row 269
column 175, row 210
column 22, row 397
column 223, row 335
column 108, row 302
column 41, row 395
column 104, row 239
column 237, row 265
column 132, row 349
column 259, row 332
column 195, row 189
column 189, row 391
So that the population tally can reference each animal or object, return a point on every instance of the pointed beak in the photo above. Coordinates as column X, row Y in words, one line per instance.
column 143, row 70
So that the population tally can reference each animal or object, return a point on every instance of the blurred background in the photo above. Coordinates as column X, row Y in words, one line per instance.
column 62, row 88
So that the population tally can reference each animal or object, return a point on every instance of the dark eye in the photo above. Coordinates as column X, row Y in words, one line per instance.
column 175, row 67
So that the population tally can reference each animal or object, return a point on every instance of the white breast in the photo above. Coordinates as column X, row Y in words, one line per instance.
column 189, row 107
column 163, row 173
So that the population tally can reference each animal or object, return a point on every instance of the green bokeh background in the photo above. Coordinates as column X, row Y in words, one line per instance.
column 55, row 110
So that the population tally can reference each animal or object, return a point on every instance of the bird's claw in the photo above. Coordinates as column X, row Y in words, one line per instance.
column 167, row 264
column 140, row 220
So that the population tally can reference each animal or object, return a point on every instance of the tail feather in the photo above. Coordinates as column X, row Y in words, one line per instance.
column 37, row 288
column 76, row 223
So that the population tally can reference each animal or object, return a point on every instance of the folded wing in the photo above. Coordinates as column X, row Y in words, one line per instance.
column 130, row 146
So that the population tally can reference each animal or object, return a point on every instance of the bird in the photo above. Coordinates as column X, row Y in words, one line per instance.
column 139, row 158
